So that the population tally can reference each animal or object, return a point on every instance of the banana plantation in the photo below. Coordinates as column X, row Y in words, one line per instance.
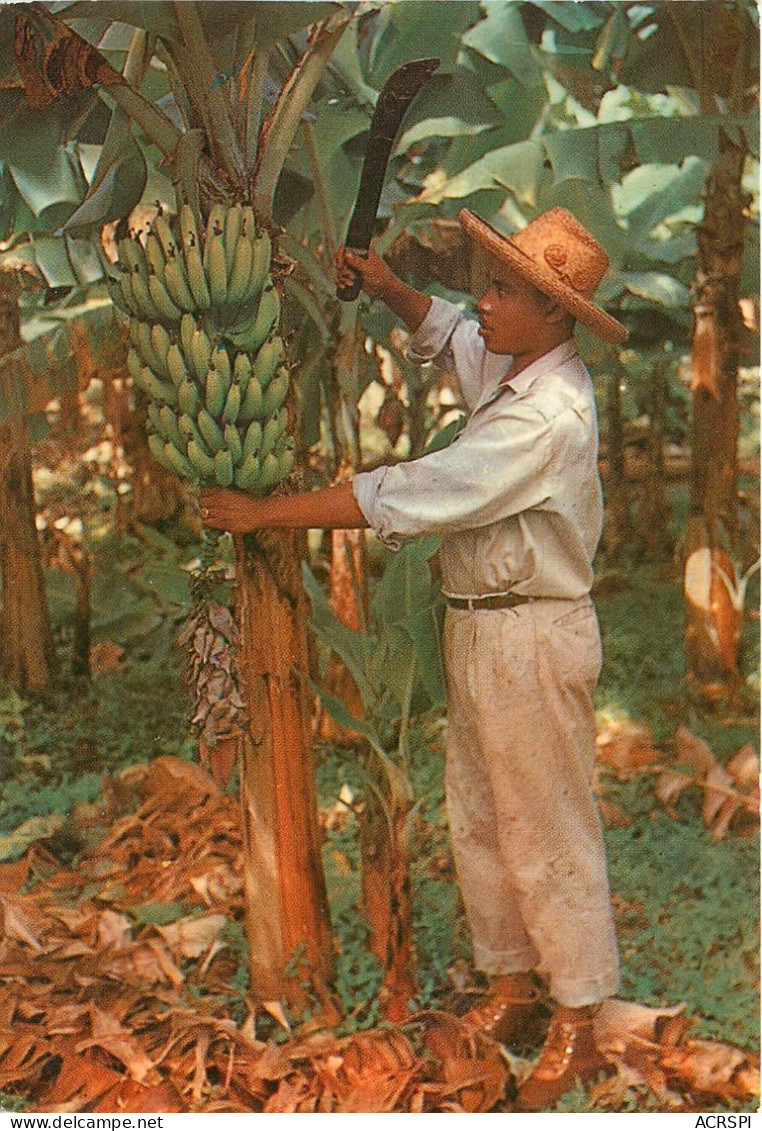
column 226, row 877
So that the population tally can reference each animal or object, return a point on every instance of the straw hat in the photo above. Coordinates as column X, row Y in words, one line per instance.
column 560, row 257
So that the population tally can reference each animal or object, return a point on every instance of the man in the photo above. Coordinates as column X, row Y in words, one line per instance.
column 517, row 502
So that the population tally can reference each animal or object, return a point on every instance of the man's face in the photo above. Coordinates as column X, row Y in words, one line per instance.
column 513, row 315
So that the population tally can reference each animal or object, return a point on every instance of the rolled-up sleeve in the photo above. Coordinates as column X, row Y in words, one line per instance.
column 432, row 338
column 453, row 342
column 501, row 469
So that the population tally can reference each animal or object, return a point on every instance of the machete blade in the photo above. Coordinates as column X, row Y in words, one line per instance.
column 395, row 97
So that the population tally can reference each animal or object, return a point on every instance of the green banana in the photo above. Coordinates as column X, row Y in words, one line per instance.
column 197, row 281
column 141, row 293
column 188, row 397
column 287, row 461
column 189, row 429
column 232, row 405
column 201, row 461
column 132, row 255
column 275, row 393
column 177, row 284
column 242, row 371
column 215, row 260
column 246, row 475
column 210, row 430
column 248, row 222
column 145, row 344
column 251, row 405
column 233, row 441
column 162, row 229
column 179, row 462
column 252, row 440
column 261, row 258
column 187, row 330
column 268, row 314
column 134, row 365
column 124, row 282
column 168, row 310
column 216, row 392
column 223, row 468
column 221, row 362
column 170, row 428
column 267, row 360
column 160, row 342
column 254, row 335
column 155, row 388
column 269, row 472
column 240, row 270
column 154, row 254
column 272, row 431
column 200, row 354
column 154, row 419
column 232, row 230
column 157, row 450
column 176, row 367
column 188, row 227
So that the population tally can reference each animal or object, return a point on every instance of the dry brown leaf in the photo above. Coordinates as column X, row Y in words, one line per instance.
column 613, row 815
column 295, row 1093
column 471, row 1069
column 106, row 656
column 618, row 1022
column 21, row 920
column 216, row 885
column 81, row 1081
column 14, row 876
column 669, row 785
column 693, row 751
column 130, row 1096
column 714, row 1068
column 113, row 929
column 627, row 747
column 191, row 937
column 744, row 766
column 716, row 785
column 108, row 1034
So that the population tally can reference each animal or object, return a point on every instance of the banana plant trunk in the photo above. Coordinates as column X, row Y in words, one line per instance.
column 27, row 655
column 288, row 926
column 712, row 621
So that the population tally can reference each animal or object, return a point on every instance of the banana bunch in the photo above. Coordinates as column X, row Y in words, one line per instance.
column 204, row 315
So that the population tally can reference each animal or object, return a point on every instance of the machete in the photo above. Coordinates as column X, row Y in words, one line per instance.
column 395, row 97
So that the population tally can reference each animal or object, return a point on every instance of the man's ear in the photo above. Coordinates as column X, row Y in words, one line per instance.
column 555, row 312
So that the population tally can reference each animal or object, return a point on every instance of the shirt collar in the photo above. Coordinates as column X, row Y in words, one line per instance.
column 545, row 364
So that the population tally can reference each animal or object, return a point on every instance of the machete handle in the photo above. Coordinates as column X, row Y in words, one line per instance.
column 352, row 290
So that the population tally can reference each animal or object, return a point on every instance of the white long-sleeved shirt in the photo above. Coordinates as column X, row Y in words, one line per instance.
column 516, row 497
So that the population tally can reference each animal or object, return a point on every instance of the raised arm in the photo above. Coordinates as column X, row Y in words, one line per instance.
column 379, row 281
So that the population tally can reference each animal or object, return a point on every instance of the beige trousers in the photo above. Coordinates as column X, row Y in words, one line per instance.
column 524, row 825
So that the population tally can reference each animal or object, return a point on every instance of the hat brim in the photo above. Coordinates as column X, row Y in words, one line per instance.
column 505, row 250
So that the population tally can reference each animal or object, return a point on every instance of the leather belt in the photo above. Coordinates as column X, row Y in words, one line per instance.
column 498, row 601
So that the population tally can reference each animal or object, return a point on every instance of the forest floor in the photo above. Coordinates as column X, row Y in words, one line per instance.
column 122, row 952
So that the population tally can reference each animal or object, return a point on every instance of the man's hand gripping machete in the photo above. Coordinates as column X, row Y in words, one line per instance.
column 394, row 99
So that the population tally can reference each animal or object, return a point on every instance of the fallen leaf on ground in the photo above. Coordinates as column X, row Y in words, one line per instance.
column 191, row 937
column 627, row 747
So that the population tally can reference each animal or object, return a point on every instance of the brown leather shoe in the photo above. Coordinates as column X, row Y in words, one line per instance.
column 508, row 1017
column 568, row 1055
